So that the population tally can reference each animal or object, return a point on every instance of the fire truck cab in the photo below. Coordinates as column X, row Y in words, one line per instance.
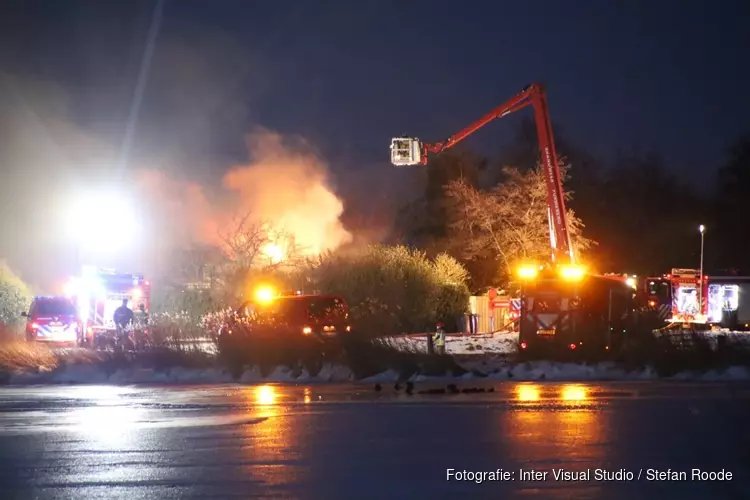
column 574, row 312
column 684, row 297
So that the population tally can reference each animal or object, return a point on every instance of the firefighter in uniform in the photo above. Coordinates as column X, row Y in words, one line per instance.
column 141, row 322
column 439, row 339
column 141, row 317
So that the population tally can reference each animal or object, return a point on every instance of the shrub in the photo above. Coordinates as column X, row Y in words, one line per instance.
column 243, row 349
column 15, row 297
column 181, row 330
column 173, row 299
column 395, row 289
column 180, row 315
column 365, row 357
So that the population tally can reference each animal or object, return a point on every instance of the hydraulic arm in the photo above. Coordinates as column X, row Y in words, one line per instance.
column 406, row 151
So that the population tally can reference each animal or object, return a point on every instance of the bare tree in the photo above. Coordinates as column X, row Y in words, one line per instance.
column 196, row 263
column 510, row 220
column 244, row 241
column 254, row 248
column 250, row 243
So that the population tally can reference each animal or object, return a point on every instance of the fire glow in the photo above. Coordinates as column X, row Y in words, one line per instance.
column 282, row 188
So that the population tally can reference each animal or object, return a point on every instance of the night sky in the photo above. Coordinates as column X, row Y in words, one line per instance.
column 665, row 75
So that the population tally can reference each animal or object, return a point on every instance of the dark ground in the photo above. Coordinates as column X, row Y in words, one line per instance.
column 346, row 441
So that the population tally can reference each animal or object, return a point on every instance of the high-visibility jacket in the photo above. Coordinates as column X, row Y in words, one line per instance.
column 439, row 337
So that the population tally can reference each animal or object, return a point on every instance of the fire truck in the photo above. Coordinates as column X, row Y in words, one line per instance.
column 684, row 297
column 563, row 306
column 97, row 293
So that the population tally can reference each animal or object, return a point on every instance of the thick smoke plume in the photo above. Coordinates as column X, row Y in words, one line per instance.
column 284, row 186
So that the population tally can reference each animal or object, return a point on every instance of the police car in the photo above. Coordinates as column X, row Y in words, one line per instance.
column 52, row 319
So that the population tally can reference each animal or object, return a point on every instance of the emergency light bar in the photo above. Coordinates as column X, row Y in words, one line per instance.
column 107, row 271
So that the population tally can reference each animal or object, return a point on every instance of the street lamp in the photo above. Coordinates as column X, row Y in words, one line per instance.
column 702, row 230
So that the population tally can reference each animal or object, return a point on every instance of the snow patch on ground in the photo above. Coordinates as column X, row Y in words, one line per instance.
column 494, row 370
column 96, row 374
column 493, row 365
column 251, row 376
column 385, row 377
column 490, row 343
column 545, row 370
column 574, row 372
column 731, row 373
column 335, row 373
column 507, row 342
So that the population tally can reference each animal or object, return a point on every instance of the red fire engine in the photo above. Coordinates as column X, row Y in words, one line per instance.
column 98, row 292
column 682, row 297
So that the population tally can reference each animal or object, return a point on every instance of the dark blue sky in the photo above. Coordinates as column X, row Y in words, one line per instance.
column 669, row 75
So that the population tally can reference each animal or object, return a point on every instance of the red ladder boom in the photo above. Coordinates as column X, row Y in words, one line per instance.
column 534, row 95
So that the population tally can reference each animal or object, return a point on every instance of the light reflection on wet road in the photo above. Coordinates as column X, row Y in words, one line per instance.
column 347, row 441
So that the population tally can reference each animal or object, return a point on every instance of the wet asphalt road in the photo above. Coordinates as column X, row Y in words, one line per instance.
column 346, row 441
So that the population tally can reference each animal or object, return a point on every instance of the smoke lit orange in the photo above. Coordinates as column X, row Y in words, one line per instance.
column 285, row 188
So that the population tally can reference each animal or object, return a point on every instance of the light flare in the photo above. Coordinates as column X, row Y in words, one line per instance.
column 574, row 393
column 274, row 252
column 527, row 271
column 265, row 395
column 101, row 221
column 528, row 393
column 265, row 294
column 572, row 273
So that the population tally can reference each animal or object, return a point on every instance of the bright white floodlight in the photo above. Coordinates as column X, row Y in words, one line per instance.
column 102, row 221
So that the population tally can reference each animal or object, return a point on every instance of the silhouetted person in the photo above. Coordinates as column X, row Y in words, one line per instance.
column 142, row 316
column 123, row 316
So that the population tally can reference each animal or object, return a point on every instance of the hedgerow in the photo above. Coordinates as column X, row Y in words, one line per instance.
column 15, row 297
column 395, row 289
